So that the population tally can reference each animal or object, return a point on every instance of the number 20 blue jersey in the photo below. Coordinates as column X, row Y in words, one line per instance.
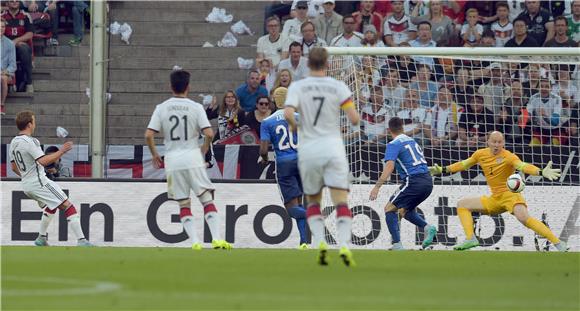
column 275, row 129
column 408, row 156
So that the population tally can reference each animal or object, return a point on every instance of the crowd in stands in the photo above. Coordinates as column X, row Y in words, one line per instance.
column 23, row 21
column 444, row 101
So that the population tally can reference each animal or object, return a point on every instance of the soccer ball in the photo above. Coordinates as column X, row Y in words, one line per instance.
column 515, row 183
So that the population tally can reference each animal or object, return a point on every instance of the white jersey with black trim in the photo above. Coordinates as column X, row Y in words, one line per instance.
column 24, row 151
column 181, row 120
column 318, row 100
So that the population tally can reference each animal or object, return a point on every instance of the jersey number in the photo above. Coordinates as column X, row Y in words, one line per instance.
column 416, row 159
column 19, row 161
column 321, row 100
column 284, row 144
column 175, row 119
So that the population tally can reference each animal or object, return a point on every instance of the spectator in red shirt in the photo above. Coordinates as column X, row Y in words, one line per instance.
column 367, row 16
column 19, row 30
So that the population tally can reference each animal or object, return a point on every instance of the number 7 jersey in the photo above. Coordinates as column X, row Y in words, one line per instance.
column 318, row 101
column 181, row 120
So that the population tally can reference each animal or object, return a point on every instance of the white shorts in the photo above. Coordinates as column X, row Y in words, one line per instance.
column 49, row 194
column 181, row 182
column 318, row 171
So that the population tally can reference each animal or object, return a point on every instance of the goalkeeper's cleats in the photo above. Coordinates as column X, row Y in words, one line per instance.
column 197, row 246
column 467, row 244
column 41, row 241
column 397, row 247
column 550, row 173
column 221, row 244
column 435, row 170
column 303, row 246
column 322, row 254
column 346, row 256
column 562, row 247
column 85, row 243
column 430, row 232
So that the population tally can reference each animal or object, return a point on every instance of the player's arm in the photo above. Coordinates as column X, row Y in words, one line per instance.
column 453, row 168
column 530, row 169
column 385, row 177
column 208, row 138
column 350, row 109
column 15, row 168
column 264, row 144
column 53, row 157
column 150, row 139
column 289, row 116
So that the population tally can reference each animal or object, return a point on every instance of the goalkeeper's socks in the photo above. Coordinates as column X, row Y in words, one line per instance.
column 316, row 223
column 47, row 216
column 541, row 229
column 413, row 217
column 212, row 219
column 466, row 221
column 393, row 225
column 187, row 222
column 298, row 212
column 343, row 224
column 74, row 222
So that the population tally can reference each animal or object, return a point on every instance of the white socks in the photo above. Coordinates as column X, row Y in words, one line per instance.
column 187, row 223
column 316, row 224
column 343, row 228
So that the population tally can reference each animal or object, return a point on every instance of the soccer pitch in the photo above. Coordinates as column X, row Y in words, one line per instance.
column 71, row 278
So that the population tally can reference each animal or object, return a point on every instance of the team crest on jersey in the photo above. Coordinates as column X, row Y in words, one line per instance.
column 499, row 160
column 539, row 19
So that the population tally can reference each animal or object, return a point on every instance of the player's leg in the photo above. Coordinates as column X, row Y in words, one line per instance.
column 298, row 212
column 74, row 222
column 465, row 207
column 312, row 184
column 178, row 189
column 45, row 220
column 187, row 222
column 392, row 219
column 520, row 211
column 290, row 185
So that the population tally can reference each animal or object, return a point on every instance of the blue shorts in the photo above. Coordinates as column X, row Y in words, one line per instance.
column 413, row 192
column 289, row 181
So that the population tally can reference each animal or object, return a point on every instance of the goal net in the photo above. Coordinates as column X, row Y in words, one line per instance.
column 448, row 105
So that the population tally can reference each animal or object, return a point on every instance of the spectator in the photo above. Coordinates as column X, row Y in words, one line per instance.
column 475, row 122
column 263, row 110
column 8, row 64
column 517, row 7
column 494, row 92
column 462, row 87
column 367, row 16
column 78, row 12
column 371, row 39
column 283, row 79
column 416, row 119
column 273, row 45
column 521, row 37
column 424, row 40
column 426, row 88
column 540, row 22
column 561, row 39
column 349, row 37
column 455, row 10
column 472, row 31
column 514, row 120
column 250, row 90
column 441, row 27
column 502, row 27
column 405, row 65
column 444, row 117
column 267, row 74
column 296, row 63
column 329, row 24
column 487, row 39
column 19, row 30
column 533, row 84
column 545, row 108
column 313, row 11
column 278, row 8
column 292, row 27
column 574, row 22
column 309, row 39
column 55, row 169
column 230, row 116
column 398, row 28
column 566, row 89
column 393, row 92
column 374, row 118
column 51, row 8
column 370, row 76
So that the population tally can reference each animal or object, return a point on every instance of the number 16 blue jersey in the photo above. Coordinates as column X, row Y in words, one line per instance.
column 275, row 130
column 408, row 156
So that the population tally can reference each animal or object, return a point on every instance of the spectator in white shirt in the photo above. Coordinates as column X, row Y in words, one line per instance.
column 292, row 26
column 416, row 119
column 398, row 28
column 393, row 92
column 309, row 39
column 349, row 37
column 296, row 63
column 272, row 46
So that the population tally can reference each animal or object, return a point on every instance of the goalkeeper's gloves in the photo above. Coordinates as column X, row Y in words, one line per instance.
column 435, row 170
column 550, row 173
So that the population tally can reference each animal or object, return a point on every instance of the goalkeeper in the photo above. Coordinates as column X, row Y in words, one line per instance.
column 497, row 165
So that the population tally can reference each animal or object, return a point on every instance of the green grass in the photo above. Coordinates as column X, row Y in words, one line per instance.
column 249, row 279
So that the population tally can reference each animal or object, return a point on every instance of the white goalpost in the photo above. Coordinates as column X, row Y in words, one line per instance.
column 449, row 98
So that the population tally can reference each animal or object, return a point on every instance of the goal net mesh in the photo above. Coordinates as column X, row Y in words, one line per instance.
column 448, row 105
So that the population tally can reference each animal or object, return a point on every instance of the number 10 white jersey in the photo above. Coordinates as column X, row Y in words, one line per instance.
column 181, row 120
column 318, row 100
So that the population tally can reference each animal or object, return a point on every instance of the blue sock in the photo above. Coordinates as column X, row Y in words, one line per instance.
column 393, row 225
column 416, row 219
column 298, row 212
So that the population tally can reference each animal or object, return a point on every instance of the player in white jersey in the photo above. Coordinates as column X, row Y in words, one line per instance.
column 182, row 120
column 28, row 162
column 321, row 155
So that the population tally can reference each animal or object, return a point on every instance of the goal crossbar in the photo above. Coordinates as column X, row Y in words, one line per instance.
column 454, row 51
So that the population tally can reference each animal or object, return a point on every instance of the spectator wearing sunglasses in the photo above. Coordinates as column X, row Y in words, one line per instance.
column 263, row 110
